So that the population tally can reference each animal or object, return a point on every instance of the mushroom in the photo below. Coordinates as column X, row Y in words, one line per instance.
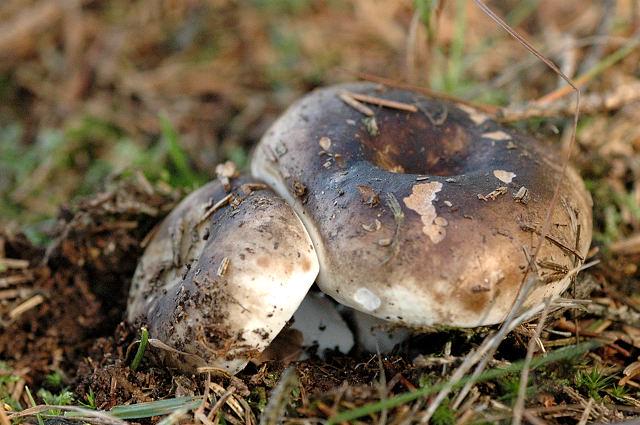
column 223, row 275
column 418, row 222
column 416, row 212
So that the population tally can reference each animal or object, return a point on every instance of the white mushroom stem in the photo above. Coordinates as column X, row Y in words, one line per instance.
column 321, row 325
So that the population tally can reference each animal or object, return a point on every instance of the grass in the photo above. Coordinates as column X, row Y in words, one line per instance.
column 155, row 408
column 7, row 378
column 491, row 374
column 62, row 398
column 593, row 382
column 89, row 400
column 184, row 175
column 142, row 347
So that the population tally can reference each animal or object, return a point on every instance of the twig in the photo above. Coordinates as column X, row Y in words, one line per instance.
column 26, row 306
column 13, row 263
column 221, row 203
column 553, row 240
column 383, row 102
column 349, row 100
column 592, row 103
column 488, row 109
column 587, row 411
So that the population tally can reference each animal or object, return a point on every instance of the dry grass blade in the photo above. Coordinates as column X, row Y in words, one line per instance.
column 279, row 398
column 489, row 345
column 96, row 416
column 491, row 342
column 587, row 411
column 11, row 263
column 518, row 408
column 630, row 245
column 618, row 55
column 221, row 203
column 222, row 400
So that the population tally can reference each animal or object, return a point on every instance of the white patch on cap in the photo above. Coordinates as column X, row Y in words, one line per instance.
column 475, row 116
column 367, row 299
column 421, row 201
column 504, row 176
column 496, row 135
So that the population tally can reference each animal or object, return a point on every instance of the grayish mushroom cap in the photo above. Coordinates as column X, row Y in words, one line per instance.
column 223, row 274
column 428, row 217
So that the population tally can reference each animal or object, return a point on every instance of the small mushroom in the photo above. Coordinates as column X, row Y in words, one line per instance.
column 219, row 281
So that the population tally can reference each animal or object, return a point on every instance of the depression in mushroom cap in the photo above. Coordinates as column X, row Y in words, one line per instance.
column 421, row 222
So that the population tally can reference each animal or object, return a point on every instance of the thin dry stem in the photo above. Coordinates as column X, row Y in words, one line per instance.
column 518, row 408
column 489, row 345
column 88, row 413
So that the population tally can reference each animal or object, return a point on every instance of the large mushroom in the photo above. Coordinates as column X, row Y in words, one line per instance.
column 421, row 212
column 422, row 218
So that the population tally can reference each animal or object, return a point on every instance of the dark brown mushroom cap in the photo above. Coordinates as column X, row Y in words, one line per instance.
column 423, row 217
column 223, row 275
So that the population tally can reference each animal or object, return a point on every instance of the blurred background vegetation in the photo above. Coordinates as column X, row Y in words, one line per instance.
column 91, row 90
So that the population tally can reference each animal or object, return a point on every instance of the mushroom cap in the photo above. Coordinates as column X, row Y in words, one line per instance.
column 428, row 217
column 218, row 284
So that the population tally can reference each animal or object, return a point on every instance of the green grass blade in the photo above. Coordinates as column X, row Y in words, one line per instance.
column 407, row 397
column 33, row 404
column 155, row 408
column 142, row 347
